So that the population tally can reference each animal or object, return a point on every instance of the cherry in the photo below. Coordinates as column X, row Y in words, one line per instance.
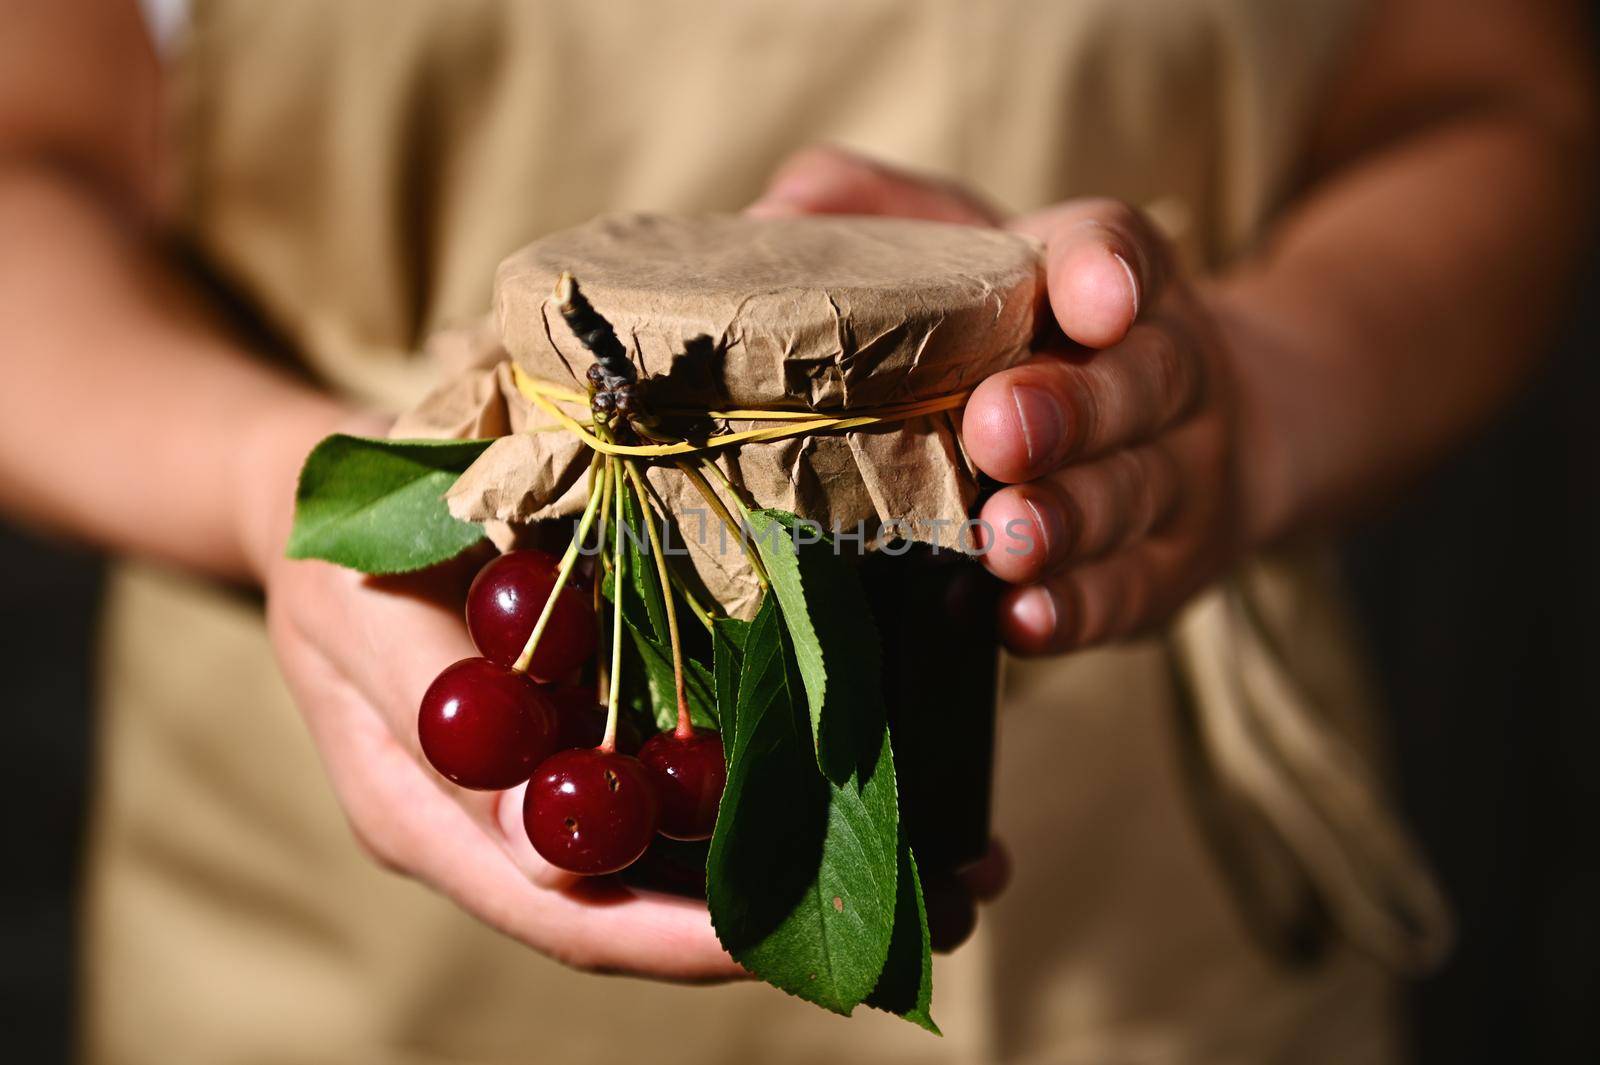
column 671, row 867
column 505, row 601
column 583, row 720
column 591, row 811
column 689, row 772
column 485, row 726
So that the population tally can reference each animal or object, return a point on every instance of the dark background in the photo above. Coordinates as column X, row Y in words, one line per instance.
column 1479, row 597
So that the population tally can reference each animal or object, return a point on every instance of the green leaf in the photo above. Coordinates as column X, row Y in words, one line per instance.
column 378, row 505
column 906, row 986
column 801, row 877
column 644, row 613
column 698, row 687
column 728, row 637
column 835, row 644
column 645, row 581
column 636, row 696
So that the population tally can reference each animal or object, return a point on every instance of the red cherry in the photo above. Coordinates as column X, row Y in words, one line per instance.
column 505, row 601
column 671, row 867
column 485, row 726
column 583, row 720
column 590, row 811
column 689, row 773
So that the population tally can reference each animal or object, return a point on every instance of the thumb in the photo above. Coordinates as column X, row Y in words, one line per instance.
column 826, row 179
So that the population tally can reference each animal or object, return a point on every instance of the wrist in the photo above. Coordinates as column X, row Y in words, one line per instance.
column 272, row 448
column 1269, row 474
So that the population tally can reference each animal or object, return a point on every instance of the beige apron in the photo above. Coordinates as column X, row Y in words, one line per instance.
column 357, row 169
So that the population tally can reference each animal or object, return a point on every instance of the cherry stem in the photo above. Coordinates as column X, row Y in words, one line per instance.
column 568, row 560
column 704, row 614
column 602, row 671
column 685, row 726
column 719, row 508
column 619, row 571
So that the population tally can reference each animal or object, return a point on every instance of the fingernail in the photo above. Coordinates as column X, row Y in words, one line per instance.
column 1039, row 419
column 1048, row 525
column 1133, row 282
column 1034, row 612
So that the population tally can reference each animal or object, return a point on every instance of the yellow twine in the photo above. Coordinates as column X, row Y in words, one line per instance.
column 800, row 423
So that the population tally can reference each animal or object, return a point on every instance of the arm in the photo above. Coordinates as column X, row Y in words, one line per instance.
column 1399, row 300
column 1411, row 289
column 130, row 416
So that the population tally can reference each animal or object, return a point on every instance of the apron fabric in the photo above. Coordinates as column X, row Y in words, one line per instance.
column 356, row 170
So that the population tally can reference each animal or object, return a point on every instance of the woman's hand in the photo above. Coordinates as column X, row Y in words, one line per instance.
column 1119, row 441
column 358, row 653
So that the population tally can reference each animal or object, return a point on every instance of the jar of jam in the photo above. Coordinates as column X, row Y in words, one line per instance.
column 936, row 613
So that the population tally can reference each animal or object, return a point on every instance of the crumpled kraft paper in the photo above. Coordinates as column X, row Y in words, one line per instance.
column 825, row 314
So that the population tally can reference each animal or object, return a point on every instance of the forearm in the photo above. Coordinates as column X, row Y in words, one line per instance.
column 1398, row 306
column 129, row 416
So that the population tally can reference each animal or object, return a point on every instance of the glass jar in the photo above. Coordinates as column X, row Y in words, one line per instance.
column 936, row 613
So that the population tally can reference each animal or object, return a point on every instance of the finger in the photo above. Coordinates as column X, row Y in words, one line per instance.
column 1112, row 599
column 443, row 585
column 413, row 826
column 1023, row 422
column 413, row 629
column 1104, row 262
column 397, row 635
column 826, row 179
column 512, row 833
column 988, row 876
column 1079, row 512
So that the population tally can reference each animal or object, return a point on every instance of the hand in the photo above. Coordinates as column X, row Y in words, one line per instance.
column 1118, row 441
column 358, row 653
